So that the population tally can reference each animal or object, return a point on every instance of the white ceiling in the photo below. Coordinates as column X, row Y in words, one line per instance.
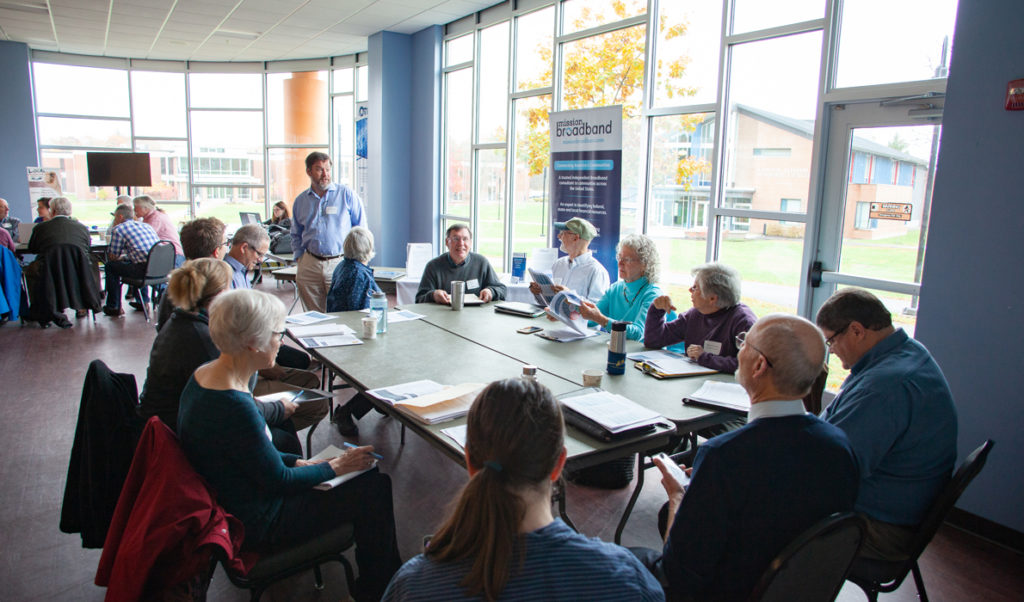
column 219, row 30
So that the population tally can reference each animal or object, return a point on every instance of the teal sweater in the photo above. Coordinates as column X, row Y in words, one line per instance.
column 225, row 439
column 628, row 301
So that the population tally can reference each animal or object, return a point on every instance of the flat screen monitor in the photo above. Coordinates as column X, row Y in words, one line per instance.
column 249, row 217
column 118, row 169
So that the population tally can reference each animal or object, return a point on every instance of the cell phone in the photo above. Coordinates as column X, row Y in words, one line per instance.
column 673, row 469
column 529, row 329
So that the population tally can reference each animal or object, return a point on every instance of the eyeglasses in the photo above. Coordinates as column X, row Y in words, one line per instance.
column 281, row 335
column 628, row 260
column 741, row 341
column 832, row 339
column 458, row 239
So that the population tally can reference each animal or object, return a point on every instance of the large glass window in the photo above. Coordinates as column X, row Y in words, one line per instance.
column 208, row 155
column 686, row 72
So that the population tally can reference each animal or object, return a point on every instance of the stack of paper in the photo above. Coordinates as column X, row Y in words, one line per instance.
column 319, row 329
column 730, row 396
column 665, row 364
column 614, row 413
column 428, row 401
column 310, row 317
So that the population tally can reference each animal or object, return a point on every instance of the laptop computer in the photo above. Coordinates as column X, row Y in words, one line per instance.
column 25, row 231
column 249, row 217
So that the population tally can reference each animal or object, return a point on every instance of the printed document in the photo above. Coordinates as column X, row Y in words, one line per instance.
column 330, row 452
column 730, row 396
column 613, row 412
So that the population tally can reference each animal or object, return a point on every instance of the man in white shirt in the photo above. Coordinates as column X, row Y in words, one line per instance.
column 578, row 271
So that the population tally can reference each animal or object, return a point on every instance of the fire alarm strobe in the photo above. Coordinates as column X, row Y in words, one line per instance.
column 1015, row 95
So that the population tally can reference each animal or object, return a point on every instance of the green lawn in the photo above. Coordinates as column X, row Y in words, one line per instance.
column 97, row 212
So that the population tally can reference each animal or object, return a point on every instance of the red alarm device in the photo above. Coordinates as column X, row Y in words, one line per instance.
column 1015, row 95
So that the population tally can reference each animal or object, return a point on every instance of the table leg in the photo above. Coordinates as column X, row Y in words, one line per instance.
column 632, row 499
column 559, row 495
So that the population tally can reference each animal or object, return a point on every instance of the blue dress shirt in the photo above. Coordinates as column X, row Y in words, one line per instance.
column 320, row 224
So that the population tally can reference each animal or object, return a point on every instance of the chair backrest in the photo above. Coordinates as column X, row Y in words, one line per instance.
column 814, row 566
column 161, row 260
column 949, row 495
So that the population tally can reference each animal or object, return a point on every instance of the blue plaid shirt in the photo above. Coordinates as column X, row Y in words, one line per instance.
column 131, row 241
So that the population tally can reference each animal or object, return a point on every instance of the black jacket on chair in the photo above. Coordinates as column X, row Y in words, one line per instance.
column 65, row 278
column 105, row 439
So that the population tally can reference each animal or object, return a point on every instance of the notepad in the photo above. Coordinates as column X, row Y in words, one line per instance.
column 330, row 452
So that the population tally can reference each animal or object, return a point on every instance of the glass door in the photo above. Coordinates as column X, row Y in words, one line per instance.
column 879, row 170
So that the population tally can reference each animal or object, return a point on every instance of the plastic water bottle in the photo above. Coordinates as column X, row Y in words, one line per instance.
column 379, row 309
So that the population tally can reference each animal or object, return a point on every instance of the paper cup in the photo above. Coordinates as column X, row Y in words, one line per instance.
column 370, row 327
column 592, row 378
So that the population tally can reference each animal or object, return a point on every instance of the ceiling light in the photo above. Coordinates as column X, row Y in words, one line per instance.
column 241, row 35
column 26, row 7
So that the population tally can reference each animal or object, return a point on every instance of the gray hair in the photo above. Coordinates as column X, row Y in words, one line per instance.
column 648, row 252
column 60, row 206
column 125, row 211
column 358, row 244
column 796, row 349
column 244, row 319
column 145, row 200
column 720, row 280
column 253, row 234
column 124, row 199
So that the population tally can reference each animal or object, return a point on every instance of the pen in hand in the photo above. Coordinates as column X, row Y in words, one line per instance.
column 354, row 446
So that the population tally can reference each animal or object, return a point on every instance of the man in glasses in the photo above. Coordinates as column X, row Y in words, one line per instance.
column 459, row 263
column 755, row 489
column 897, row 410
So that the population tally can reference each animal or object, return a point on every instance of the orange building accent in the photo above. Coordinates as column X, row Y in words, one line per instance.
column 305, row 121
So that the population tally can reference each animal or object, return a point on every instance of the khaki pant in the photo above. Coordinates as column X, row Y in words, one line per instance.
column 313, row 281
column 308, row 413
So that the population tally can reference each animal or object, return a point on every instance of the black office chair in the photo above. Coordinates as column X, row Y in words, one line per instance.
column 880, row 576
column 286, row 561
column 813, row 567
column 159, row 264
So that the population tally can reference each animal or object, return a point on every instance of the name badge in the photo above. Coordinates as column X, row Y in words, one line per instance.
column 713, row 347
column 472, row 284
column 331, row 210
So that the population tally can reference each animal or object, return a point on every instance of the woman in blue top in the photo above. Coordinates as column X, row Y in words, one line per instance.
column 500, row 542
column 227, row 442
column 352, row 281
column 628, row 299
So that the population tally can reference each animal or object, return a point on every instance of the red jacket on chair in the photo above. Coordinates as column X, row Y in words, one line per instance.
column 165, row 522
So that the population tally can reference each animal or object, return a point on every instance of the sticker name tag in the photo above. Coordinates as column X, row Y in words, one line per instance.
column 472, row 284
column 331, row 210
column 713, row 347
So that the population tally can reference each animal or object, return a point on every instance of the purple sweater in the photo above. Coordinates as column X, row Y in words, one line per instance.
column 695, row 328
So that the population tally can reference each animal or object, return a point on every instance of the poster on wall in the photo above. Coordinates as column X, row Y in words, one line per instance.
column 586, row 160
column 362, row 109
column 43, row 182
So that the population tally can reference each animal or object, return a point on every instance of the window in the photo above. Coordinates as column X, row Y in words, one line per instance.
column 207, row 147
column 862, row 219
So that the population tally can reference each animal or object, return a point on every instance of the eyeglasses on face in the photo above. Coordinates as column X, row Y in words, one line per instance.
column 741, row 341
column 832, row 339
column 280, row 335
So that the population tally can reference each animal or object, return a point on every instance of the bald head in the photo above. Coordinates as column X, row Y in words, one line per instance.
column 796, row 349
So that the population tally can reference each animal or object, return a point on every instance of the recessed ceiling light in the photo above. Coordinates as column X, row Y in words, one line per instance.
column 241, row 35
column 26, row 7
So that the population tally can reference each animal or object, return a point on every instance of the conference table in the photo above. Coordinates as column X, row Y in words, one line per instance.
column 477, row 344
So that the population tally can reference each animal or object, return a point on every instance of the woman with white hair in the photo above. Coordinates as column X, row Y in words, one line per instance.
column 709, row 328
column 628, row 299
column 225, row 439
column 352, row 281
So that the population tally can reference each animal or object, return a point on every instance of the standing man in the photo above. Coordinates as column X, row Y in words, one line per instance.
column 459, row 264
column 7, row 221
column 130, row 242
column 321, row 218
column 578, row 271
column 755, row 489
column 897, row 410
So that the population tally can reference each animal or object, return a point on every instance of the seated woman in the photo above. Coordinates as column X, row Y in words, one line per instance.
column 184, row 344
column 628, row 299
column 353, row 281
column 42, row 209
column 225, row 439
column 500, row 540
column 280, row 216
column 710, row 327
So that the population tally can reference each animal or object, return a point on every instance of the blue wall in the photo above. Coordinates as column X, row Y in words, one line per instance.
column 17, row 128
column 390, row 144
column 972, row 293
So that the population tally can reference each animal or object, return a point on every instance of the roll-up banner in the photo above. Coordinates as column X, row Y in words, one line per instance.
column 586, row 160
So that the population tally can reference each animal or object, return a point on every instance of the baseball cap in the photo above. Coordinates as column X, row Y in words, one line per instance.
column 579, row 227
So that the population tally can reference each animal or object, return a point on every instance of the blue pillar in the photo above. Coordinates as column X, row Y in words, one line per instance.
column 17, row 128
